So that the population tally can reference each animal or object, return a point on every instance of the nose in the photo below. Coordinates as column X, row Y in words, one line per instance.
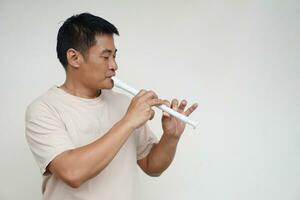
column 113, row 65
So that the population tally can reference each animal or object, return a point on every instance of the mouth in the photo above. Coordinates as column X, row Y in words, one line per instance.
column 111, row 76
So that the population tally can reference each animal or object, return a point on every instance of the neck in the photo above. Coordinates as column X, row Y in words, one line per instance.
column 76, row 88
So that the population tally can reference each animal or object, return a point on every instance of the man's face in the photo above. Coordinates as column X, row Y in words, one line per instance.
column 99, row 65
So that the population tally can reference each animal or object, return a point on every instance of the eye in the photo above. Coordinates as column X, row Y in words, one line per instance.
column 105, row 57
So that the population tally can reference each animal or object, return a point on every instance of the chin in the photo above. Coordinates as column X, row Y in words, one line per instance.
column 106, row 85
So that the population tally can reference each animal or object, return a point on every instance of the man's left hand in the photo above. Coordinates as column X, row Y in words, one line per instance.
column 172, row 126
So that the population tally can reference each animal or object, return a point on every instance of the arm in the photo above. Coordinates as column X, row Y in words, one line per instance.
column 71, row 166
column 160, row 156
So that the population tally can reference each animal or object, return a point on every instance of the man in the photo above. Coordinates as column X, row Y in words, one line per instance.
column 85, row 137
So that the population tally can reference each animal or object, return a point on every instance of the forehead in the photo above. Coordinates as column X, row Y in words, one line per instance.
column 104, row 42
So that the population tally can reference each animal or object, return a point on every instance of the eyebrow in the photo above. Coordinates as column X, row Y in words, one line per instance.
column 108, row 51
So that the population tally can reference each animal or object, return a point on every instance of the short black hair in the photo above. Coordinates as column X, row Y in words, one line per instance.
column 79, row 32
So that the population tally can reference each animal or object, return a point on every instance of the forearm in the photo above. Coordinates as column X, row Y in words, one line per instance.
column 162, row 154
column 80, row 164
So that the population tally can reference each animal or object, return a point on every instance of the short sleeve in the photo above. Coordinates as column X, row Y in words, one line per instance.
column 145, row 141
column 45, row 133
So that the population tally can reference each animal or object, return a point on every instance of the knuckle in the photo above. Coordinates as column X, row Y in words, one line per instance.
column 155, row 101
column 152, row 93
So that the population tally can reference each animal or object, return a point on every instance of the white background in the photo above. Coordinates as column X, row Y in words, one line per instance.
column 238, row 59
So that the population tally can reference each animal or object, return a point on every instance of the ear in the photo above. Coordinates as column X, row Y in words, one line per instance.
column 74, row 58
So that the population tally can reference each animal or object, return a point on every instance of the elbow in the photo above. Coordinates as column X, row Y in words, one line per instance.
column 71, row 179
column 62, row 167
column 153, row 171
column 73, row 184
column 153, row 174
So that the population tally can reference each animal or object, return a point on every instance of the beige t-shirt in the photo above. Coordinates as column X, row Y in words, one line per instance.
column 58, row 121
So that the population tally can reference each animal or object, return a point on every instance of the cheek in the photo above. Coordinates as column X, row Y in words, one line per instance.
column 100, row 76
column 98, row 70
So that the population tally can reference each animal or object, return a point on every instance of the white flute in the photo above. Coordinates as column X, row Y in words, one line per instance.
column 122, row 85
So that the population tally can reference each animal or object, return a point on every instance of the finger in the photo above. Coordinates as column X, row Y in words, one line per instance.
column 168, row 104
column 182, row 106
column 155, row 102
column 174, row 104
column 191, row 109
column 148, row 95
column 152, row 114
column 141, row 93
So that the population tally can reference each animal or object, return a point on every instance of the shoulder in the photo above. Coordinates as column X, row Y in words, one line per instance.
column 41, row 105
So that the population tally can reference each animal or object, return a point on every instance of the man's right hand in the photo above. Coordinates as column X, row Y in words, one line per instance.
column 140, row 108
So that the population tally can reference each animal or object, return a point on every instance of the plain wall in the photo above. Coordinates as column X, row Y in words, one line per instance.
column 238, row 59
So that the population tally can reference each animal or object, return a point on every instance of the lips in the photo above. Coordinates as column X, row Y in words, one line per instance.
column 111, row 75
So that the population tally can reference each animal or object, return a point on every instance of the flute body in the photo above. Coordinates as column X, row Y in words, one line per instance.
column 122, row 85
